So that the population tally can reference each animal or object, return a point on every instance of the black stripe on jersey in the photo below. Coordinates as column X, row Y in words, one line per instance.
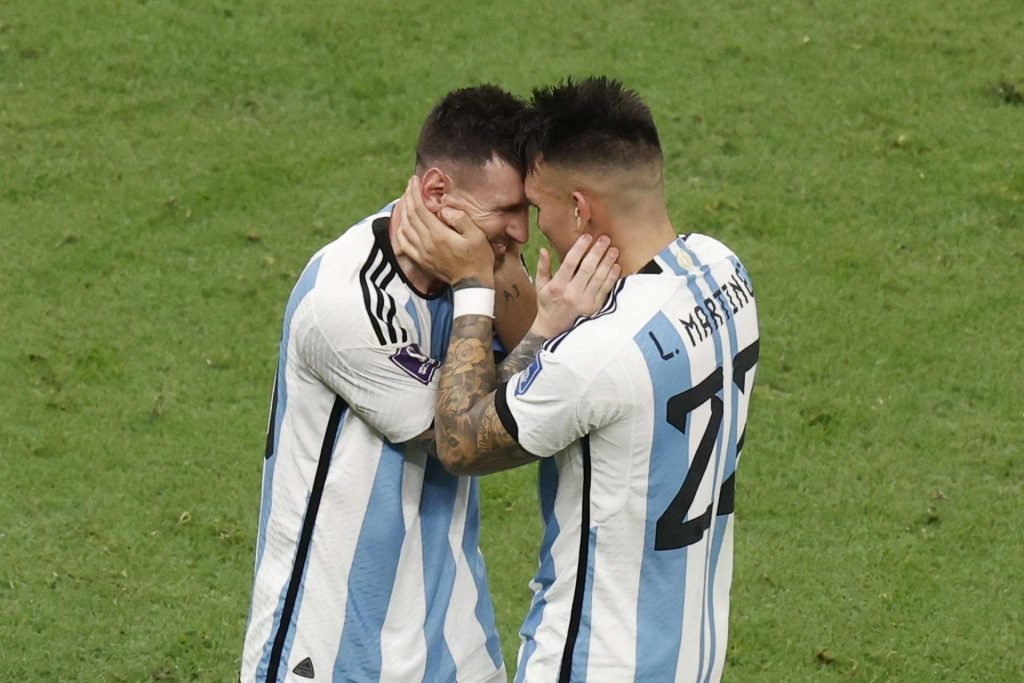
column 504, row 414
column 389, row 318
column 379, row 278
column 727, row 496
column 382, row 314
column 652, row 268
column 364, row 284
column 743, row 362
column 609, row 307
column 273, row 420
column 581, row 570
column 381, row 228
column 305, row 537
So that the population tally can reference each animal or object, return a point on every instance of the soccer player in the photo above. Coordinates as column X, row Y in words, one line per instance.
column 367, row 566
column 637, row 413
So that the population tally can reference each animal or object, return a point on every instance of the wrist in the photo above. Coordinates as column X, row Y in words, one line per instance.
column 540, row 329
column 474, row 280
column 473, row 300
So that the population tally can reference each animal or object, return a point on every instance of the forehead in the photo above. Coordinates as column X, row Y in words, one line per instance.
column 544, row 180
column 496, row 183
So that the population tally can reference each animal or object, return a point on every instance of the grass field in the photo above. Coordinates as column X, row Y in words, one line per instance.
column 167, row 168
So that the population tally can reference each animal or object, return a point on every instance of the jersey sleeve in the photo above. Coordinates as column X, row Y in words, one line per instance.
column 557, row 400
column 390, row 386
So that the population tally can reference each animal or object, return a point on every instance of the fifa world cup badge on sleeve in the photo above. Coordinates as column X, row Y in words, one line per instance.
column 415, row 363
column 530, row 374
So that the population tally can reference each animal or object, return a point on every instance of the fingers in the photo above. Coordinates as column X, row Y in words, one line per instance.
column 543, row 269
column 601, row 288
column 604, row 277
column 458, row 220
column 575, row 254
column 580, row 279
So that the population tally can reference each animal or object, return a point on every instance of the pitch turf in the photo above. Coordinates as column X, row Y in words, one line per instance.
column 167, row 167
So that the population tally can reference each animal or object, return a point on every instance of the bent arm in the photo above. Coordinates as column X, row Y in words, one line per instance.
column 470, row 436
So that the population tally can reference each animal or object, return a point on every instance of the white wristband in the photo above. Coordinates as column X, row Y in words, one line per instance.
column 474, row 301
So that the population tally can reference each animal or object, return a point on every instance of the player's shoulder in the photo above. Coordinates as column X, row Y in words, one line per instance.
column 343, row 279
column 596, row 340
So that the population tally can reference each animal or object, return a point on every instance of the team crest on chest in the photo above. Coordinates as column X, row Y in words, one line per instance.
column 526, row 379
column 415, row 363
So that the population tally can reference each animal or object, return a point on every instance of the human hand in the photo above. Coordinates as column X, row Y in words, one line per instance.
column 451, row 247
column 579, row 288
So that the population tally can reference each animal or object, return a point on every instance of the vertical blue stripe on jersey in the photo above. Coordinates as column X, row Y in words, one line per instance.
column 471, row 549
column 437, row 502
column 660, row 601
column 581, row 654
column 729, row 395
column 371, row 578
column 299, row 292
column 440, row 325
column 410, row 308
column 718, row 526
column 547, row 485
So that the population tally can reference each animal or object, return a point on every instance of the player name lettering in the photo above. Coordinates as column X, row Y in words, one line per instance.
column 715, row 310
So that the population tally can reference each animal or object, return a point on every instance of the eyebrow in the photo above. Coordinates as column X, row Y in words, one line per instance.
column 513, row 207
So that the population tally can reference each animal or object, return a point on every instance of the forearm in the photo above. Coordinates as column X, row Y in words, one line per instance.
column 467, row 377
column 470, row 436
column 521, row 356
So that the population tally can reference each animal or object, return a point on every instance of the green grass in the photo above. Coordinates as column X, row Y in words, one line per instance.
column 167, row 167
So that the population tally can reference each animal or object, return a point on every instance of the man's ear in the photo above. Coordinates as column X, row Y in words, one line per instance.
column 433, row 186
column 582, row 211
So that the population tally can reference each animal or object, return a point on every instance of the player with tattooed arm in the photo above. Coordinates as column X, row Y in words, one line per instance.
column 637, row 413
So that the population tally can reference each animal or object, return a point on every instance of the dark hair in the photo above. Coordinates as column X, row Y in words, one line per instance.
column 472, row 125
column 593, row 122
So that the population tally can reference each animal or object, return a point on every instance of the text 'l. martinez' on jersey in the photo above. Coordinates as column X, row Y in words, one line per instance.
column 367, row 560
column 638, row 413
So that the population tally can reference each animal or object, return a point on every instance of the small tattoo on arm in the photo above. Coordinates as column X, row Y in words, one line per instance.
column 521, row 356
column 468, row 282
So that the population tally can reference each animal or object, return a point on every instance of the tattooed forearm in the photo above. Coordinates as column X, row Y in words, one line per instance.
column 470, row 437
column 521, row 356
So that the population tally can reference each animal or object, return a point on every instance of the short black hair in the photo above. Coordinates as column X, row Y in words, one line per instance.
column 472, row 125
column 595, row 122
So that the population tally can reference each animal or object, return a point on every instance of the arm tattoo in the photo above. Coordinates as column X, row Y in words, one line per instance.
column 469, row 282
column 521, row 356
column 470, row 437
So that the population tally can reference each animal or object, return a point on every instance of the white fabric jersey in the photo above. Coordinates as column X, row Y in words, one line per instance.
column 367, row 565
column 643, row 408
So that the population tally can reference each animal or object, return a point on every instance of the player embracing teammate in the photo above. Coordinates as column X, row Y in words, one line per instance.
column 637, row 422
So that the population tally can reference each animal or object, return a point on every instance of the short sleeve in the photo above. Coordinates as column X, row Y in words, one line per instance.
column 391, row 387
column 558, row 399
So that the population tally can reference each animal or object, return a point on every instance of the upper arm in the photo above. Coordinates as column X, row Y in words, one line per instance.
column 390, row 386
column 560, row 398
column 495, row 448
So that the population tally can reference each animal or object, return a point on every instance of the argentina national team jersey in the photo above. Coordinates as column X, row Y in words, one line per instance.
column 367, row 566
column 638, row 413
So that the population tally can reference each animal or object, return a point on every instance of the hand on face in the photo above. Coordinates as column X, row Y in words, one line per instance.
column 452, row 249
column 579, row 288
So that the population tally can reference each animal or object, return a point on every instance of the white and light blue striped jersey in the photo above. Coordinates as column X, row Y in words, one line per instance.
column 643, row 408
column 367, row 559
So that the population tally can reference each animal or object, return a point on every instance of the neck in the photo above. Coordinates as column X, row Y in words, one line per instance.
column 419, row 278
column 640, row 240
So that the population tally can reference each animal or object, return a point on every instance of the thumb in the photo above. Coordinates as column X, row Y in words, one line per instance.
column 543, row 269
column 457, row 219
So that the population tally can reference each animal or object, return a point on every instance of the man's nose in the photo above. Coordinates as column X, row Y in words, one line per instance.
column 518, row 228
